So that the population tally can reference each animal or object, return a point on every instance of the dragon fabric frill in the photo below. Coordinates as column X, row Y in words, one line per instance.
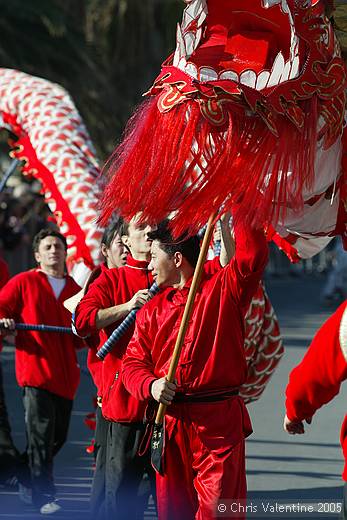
column 250, row 108
column 263, row 345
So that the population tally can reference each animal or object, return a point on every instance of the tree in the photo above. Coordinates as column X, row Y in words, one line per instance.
column 104, row 52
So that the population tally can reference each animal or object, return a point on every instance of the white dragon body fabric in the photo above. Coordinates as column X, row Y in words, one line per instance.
column 54, row 143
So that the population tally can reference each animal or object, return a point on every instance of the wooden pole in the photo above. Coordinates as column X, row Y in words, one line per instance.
column 187, row 311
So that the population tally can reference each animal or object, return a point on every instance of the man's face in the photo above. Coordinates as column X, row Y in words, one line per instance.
column 116, row 254
column 51, row 254
column 163, row 266
column 137, row 238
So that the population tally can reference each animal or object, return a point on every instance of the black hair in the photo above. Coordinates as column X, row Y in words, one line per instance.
column 188, row 246
column 124, row 229
column 47, row 232
column 116, row 226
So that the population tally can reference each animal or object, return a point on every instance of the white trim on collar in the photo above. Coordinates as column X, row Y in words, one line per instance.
column 134, row 267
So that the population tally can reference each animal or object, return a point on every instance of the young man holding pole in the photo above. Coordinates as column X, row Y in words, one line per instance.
column 109, row 299
column 46, row 363
column 206, row 421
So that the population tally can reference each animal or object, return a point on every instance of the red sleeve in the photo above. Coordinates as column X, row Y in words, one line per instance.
column 137, row 363
column 4, row 277
column 4, row 273
column 10, row 298
column 317, row 379
column 247, row 265
column 98, row 296
column 94, row 365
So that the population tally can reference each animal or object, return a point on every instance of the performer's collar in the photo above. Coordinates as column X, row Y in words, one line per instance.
column 53, row 274
column 189, row 282
column 175, row 294
column 136, row 264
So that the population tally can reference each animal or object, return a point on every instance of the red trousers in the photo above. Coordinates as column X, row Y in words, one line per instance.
column 204, row 459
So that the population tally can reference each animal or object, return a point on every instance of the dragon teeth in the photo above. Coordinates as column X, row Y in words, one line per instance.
column 248, row 77
column 277, row 70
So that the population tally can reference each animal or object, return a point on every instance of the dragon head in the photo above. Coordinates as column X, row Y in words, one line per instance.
column 261, row 46
column 272, row 55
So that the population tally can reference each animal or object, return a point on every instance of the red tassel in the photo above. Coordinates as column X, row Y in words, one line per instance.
column 90, row 421
column 179, row 161
column 90, row 449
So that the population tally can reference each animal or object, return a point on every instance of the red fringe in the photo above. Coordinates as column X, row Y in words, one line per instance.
column 155, row 169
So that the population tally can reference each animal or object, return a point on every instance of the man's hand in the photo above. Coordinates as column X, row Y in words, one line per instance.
column 225, row 219
column 163, row 391
column 295, row 427
column 139, row 299
column 227, row 240
column 7, row 327
column 106, row 317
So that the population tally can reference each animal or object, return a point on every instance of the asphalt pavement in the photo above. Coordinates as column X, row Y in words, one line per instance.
column 301, row 469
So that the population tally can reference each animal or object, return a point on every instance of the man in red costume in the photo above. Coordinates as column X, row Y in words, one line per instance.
column 115, row 254
column 46, row 363
column 317, row 380
column 206, row 422
column 107, row 301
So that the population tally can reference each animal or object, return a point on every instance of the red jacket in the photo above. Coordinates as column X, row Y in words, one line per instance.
column 317, row 379
column 114, row 287
column 43, row 359
column 94, row 342
column 213, row 355
column 4, row 278
column 94, row 364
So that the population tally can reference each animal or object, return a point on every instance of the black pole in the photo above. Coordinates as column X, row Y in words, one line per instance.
column 40, row 327
column 11, row 169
